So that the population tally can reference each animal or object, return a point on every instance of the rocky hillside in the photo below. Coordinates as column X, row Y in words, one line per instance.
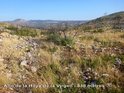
column 71, row 60
column 115, row 20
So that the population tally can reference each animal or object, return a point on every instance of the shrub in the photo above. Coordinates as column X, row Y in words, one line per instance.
column 59, row 40
column 54, row 37
column 98, row 31
column 92, row 63
column 87, row 28
column 87, row 37
column 52, row 50
column 41, row 70
column 25, row 32
column 12, row 28
column 122, row 36
column 67, row 41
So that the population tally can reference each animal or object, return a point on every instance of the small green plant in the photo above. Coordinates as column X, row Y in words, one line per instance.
column 52, row 50
column 41, row 70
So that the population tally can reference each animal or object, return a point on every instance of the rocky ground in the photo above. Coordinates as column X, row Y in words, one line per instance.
column 92, row 58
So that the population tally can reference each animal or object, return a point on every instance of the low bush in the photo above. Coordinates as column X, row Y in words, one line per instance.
column 98, row 31
column 59, row 40
column 90, row 37
column 122, row 36
column 54, row 37
column 67, row 41
column 25, row 32
column 12, row 28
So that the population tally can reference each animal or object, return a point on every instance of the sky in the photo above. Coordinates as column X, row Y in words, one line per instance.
column 58, row 9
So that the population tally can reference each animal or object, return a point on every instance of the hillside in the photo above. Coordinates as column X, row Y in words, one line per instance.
column 115, row 20
column 62, row 60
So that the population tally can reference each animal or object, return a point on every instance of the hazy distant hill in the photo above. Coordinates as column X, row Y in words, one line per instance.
column 44, row 23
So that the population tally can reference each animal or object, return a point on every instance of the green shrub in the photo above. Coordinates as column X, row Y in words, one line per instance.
column 25, row 32
column 90, row 37
column 87, row 28
column 54, row 37
column 52, row 50
column 59, row 40
column 67, row 41
column 12, row 28
column 41, row 70
column 54, row 68
column 86, row 62
column 92, row 63
column 107, row 59
column 98, row 31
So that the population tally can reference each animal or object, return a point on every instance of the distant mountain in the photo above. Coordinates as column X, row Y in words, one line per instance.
column 44, row 23
column 115, row 20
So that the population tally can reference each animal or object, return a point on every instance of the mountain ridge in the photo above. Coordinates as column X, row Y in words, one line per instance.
column 114, row 20
column 45, row 23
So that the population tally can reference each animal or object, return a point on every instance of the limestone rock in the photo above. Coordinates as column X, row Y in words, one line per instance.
column 24, row 63
column 1, row 59
column 9, row 75
column 33, row 69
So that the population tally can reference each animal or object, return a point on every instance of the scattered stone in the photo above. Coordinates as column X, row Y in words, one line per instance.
column 105, row 75
column 117, row 62
column 90, row 77
column 22, row 77
column 24, row 63
column 96, row 49
column 66, row 68
column 33, row 69
column 35, row 44
column 1, row 59
column 19, row 47
column 27, row 50
column 1, row 40
column 9, row 75
column 29, row 54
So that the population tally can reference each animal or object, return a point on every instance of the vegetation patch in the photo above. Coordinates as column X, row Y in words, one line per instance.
column 59, row 40
column 122, row 36
column 97, row 31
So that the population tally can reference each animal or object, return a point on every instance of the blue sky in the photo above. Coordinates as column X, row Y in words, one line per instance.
column 58, row 9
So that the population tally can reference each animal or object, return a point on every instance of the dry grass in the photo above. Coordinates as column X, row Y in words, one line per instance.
column 62, row 65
